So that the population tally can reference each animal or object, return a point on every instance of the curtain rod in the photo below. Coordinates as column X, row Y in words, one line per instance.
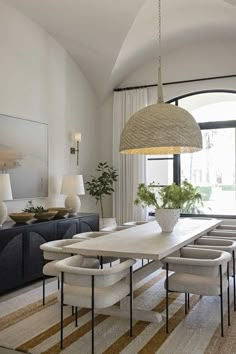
column 175, row 82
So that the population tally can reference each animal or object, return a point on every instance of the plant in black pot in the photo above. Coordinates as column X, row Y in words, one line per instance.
column 103, row 184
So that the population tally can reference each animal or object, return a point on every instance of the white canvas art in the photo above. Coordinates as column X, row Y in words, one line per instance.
column 24, row 155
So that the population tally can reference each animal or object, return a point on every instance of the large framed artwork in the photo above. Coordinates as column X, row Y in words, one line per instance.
column 24, row 155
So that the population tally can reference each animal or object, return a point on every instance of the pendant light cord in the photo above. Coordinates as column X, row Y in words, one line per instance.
column 159, row 86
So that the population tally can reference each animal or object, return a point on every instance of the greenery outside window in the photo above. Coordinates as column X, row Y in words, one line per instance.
column 213, row 169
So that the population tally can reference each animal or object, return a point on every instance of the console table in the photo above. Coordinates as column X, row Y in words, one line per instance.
column 21, row 259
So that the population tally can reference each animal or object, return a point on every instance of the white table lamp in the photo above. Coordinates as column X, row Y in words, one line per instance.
column 73, row 186
column 5, row 194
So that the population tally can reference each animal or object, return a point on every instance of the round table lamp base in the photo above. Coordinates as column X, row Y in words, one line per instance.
column 3, row 212
column 73, row 202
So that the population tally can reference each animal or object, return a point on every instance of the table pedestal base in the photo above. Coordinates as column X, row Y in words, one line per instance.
column 138, row 315
column 123, row 309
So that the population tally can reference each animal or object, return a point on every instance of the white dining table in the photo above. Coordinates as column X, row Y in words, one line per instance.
column 145, row 241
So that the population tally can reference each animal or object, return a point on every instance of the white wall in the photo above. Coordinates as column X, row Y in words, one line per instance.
column 199, row 60
column 40, row 81
column 203, row 59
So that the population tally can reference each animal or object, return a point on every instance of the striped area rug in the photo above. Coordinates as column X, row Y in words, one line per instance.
column 34, row 328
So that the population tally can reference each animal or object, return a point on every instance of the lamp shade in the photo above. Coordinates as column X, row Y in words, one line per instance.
column 5, row 187
column 77, row 137
column 161, row 129
column 72, row 185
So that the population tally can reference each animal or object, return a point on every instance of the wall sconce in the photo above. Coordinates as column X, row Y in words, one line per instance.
column 77, row 138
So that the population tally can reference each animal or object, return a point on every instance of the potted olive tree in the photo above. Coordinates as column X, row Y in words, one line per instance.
column 168, row 201
column 102, row 185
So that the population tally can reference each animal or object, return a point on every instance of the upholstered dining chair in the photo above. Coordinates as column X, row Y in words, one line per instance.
column 94, row 234
column 226, row 227
column 120, row 228
column 90, row 234
column 94, row 288
column 116, row 228
column 230, row 234
column 220, row 244
column 52, row 252
column 134, row 223
column 201, row 272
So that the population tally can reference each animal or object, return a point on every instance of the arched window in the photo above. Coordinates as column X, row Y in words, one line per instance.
column 212, row 170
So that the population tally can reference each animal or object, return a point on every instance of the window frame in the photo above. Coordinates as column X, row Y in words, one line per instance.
column 203, row 126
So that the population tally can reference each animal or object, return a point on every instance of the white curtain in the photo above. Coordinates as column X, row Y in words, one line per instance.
column 131, row 168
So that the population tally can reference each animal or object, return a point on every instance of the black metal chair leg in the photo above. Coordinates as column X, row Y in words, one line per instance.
column 142, row 262
column 76, row 316
column 234, row 282
column 62, row 301
column 58, row 283
column 72, row 311
column 228, row 294
column 221, row 303
column 43, row 289
column 92, row 314
column 186, row 303
column 167, row 290
column 131, row 300
column 101, row 262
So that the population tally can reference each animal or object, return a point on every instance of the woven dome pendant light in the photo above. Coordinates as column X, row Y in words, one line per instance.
column 161, row 128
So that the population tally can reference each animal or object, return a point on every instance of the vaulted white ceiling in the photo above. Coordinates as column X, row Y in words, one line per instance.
column 110, row 38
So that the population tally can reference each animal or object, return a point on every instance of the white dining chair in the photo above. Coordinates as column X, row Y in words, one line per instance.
column 94, row 288
column 92, row 235
column 199, row 271
column 222, row 233
column 52, row 252
column 120, row 228
column 220, row 244
column 226, row 227
column 116, row 228
column 134, row 223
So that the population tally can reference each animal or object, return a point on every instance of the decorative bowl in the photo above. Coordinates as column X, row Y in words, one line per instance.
column 21, row 218
column 61, row 212
column 45, row 215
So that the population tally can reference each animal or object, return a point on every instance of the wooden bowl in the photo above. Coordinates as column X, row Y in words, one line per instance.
column 45, row 215
column 21, row 218
column 61, row 212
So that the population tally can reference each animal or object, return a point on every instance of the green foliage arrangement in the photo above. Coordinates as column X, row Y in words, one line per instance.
column 102, row 185
column 30, row 208
column 173, row 196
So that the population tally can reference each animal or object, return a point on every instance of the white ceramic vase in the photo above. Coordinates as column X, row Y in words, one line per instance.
column 167, row 218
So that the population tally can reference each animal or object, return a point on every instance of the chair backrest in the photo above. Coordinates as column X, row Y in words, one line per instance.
column 204, row 261
column 224, row 233
column 198, row 261
column 77, row 276
column 216, row 243
column 227, row 227
column 134, row 223
column 90, row 234
column 116, row 228
column 53, row 250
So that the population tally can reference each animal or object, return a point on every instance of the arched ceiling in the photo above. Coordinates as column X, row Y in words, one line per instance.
column 109, row 39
